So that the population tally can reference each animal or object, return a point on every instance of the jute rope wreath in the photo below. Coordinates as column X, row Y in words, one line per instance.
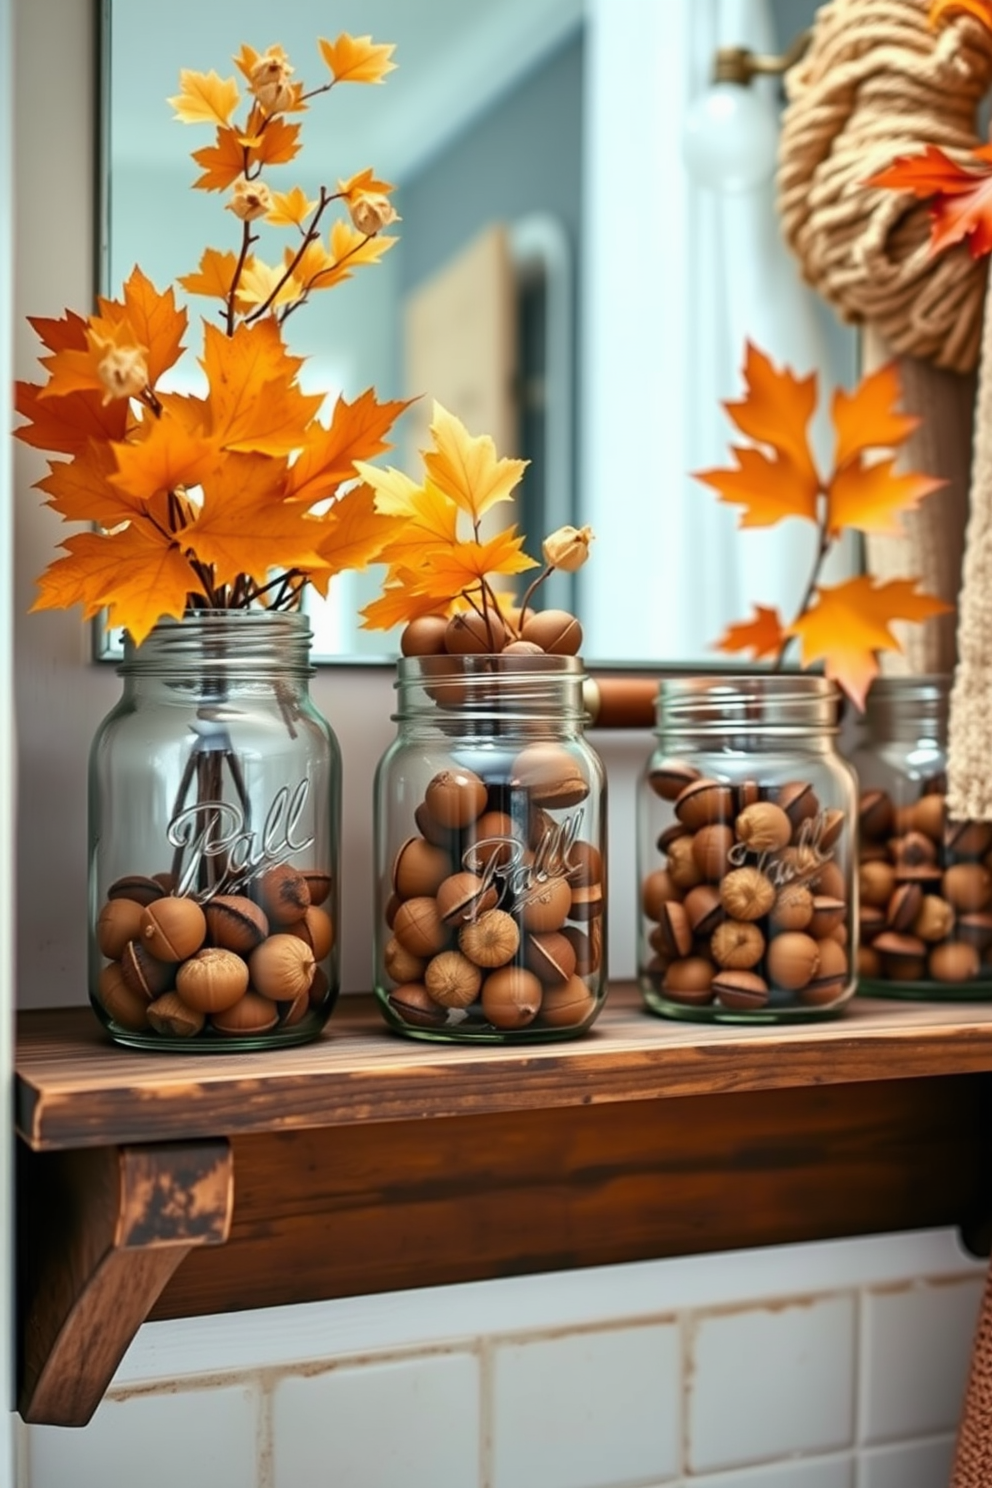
column 878, row 81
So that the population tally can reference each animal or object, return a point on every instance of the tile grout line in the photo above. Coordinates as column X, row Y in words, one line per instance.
column 486, row 1411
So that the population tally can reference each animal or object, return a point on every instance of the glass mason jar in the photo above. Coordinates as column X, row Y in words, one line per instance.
column 925, row 882
column 490, row 853
column 746, row 852
column 214, row 798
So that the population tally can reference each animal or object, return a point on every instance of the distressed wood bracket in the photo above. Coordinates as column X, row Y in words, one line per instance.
column 102, row 1232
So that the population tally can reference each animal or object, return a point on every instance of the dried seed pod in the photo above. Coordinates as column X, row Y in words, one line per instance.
column 710, row 848
column 491, row 940
column 831, row 976
column 455, row 798
column 212, row 980
column 251, row 1014
column 511, row 997
column 550, row 957
column 284, row 894
column 282, row 967
column 793, row 960
column 737, row 944
column 793, row 908
column 413, row 1004
column 173, row 929
column 400, row 965
column 419, row 927
column 704, row 803
column 144, row 973
column 747, row 894
column 567, row 1004
column 797, row 799
column 463, row 897
column 452, row 979
column 763, row 827
column 317, row 929
column 120, row 920
column 689, row 981
column 742, row 991
column 169, row 1015
column 420, row 868
column 127, row 1008
column 235, row 923
column 471, row 634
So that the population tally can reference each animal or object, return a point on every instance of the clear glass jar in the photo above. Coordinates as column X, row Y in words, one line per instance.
column 925, row 882
column 214, row 800
column 490, row 853
column 746, row 852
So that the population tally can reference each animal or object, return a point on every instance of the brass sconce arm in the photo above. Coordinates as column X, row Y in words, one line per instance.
column 735, row 64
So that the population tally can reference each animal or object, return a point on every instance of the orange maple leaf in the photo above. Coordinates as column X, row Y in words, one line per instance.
column 353, row 535
column 849, row 624
column 169, row 455
column 137, row 573
column 66, row 333
column 67, row 424
column 215, row 275
column 869, row 418
column 466, row 468
column 357, row 59
column 255, row 403
column 764, row 635
column 357, row 433
column 244, row 527
column 223, row 162
column 398, row 604
column 277, row 144
column 941, row 10
column 961, row 206
column 80, row 489
column 447, row 572
column 869, row 498
column 363, row 183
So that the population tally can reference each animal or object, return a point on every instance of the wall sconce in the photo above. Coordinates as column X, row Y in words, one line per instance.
column 730, row 139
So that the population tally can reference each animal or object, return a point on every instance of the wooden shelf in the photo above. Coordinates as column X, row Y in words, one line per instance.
column 171, row 1185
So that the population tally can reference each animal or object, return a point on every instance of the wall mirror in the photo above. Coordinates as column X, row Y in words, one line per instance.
column 562, row 280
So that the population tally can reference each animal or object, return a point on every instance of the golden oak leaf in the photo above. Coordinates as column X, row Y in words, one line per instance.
column 215, row 275
column 151, row 319
column 357, row 59
column 364, row 183
column 205, row 98
column 136, row 572
column 353, row 535
column 66, row 425
column 398, row 604
column 223, row 162
column 775, row 411
column 277, row 144
column 169, row 455
column 868, row 418
column 767, row 488
column 263, row 284
column 870, row 497
column 67, row 333
column 243, row 525
column 447, row 572
column 357, row 433
column 764, row 635
column 941, row 10
column 849, row 624
column 290, row 208
column 961, row 206
column 466, row 468
column 255, row 402
column 80, row 488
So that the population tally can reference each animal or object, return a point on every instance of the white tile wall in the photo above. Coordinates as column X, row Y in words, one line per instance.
column 767, row 1382
column 838, row 1367
column 393, row 1424
column 915, row 1347
column 587, row 1410
column 208, row 1438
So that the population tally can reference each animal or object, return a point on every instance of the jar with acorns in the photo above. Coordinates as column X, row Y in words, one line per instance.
column 490, row 848
column 925, row 881
column 746, row 852
column 214, row 808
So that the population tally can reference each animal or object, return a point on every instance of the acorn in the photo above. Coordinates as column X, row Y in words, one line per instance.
column 317, row 929
column 419, row 927
column 144, row 973
column 566, row 1004
column 511, row 997
column 212, row 980
column 251, row 1014
column 120, row 920
column 169, row 1015
column 282, row 967
column 452, row 979
column 235, row 923
column 283, row 894
column 173, row 929
column 127, row 1008
column 413, row 1004
column 493, row 939
column 419, row 868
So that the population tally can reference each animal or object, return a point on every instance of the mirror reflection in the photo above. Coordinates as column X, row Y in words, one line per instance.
column 562, row 278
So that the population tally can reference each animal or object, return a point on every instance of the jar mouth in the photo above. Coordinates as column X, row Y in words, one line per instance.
column 911, row 703
column 780, row 705
column 497, row 686
column 236, row 642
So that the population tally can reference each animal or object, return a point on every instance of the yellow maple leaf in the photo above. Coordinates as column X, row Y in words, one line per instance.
column 396, row 493
column 466, row 468
column 136, row 573
column 215, row 275
column 430, row 521
column 255, row 403
column 266, row 284
column 205, row 98
column 364, row 183
column 399, row 603
column 849, row 624
column 870, row 498
column 290, row 208
column 357, row 59
column 763, row 635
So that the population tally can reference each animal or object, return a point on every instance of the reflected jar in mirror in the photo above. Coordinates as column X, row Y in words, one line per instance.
column 214, row 797
column 490, row 853
column 925, row 881
column 746, row 852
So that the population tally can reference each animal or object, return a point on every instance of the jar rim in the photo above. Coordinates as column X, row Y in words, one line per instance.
column 781, row 705
column 490, row 685
column 236, row 641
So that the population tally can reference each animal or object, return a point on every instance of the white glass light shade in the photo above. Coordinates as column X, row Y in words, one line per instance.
column 730, row 138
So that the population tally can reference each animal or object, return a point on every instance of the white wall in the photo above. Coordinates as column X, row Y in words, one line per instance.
column 61, row 696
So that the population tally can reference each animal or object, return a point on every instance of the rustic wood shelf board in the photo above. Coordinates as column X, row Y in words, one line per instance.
column 75, row 1089
column 173, row 1185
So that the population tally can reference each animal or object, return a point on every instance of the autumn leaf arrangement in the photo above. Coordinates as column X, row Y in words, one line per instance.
column 775, row 476
column 240, row 496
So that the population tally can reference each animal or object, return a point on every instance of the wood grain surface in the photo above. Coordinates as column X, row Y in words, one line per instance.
column 76, row 1089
